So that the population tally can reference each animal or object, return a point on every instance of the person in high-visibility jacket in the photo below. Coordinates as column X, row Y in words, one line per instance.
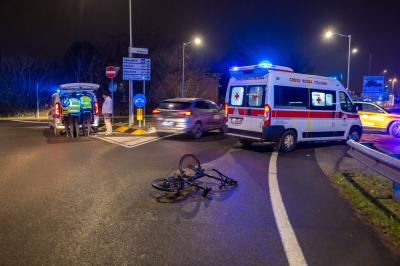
column 73, row 108
column 86, row 110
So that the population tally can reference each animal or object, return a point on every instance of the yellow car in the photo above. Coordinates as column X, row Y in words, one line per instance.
column 375, row 117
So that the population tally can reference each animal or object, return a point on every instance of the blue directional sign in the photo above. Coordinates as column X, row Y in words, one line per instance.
column 135, row 68
column 139, row 100
column 374, row 87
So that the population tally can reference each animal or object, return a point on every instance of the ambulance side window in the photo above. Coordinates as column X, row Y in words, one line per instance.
column 323, row 100
column 291, row 97
column 345, row 102
column 237, row 96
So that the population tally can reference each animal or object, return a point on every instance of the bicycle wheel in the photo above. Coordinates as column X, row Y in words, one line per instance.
column 189, row 165
column 169, row 184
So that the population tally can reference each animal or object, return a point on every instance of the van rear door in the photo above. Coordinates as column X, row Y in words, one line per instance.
column 246, row 109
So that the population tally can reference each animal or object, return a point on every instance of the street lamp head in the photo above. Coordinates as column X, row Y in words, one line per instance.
column 328, row 34
column 394, row 80
column 385, row 71
column 354, row 51
column 197, row 41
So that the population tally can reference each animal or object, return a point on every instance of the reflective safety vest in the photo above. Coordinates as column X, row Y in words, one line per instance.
column 74, row 106
column 86, row 103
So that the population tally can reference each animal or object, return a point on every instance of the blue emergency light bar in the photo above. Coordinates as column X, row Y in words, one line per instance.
column 257, row 70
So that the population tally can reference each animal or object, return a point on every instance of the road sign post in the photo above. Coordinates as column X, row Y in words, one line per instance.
column 137, row 69
column 111, row 72
column 140, row 101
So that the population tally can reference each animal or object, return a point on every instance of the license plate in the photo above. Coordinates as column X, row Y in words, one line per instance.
column 236, row 121
column 167, row 124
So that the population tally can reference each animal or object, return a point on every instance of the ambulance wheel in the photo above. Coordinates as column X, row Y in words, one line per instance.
column 355, row 133
column 394, row 129
column 287, row 142
column 245, row 142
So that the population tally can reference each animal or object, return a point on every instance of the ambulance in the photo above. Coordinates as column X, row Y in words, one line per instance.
column 270, row 103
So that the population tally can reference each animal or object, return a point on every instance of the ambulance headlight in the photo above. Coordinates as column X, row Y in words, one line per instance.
column 235, row 68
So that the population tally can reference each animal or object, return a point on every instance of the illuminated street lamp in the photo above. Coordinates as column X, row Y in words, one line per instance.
column 354, row 51
column 330, row 34
column 196, row 41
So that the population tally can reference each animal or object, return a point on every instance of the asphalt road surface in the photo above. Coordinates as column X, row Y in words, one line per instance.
column 86, row 201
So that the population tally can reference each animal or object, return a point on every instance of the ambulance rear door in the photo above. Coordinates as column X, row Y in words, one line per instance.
column 246, row 109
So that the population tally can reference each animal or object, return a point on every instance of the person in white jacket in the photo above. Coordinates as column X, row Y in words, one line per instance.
column 107, row 110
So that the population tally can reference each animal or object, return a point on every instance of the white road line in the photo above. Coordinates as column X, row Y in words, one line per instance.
column 110, row 140
column 290, row 244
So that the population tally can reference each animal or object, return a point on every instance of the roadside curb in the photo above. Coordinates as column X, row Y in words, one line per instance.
column 135, row 130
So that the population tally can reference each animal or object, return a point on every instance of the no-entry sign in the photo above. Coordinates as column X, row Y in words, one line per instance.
column 111, row 72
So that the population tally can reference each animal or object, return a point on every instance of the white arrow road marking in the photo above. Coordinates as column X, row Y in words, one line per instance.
column 290, row 244
column 129, row 141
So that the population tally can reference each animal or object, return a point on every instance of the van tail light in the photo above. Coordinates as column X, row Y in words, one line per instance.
column 226, row 112
column 57, row 110
column 96, row 108
column 156, row 112
column 185, row 113
column 267, row 115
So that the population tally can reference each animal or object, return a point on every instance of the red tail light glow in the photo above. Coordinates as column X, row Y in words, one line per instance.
column 226, row 111
column 185, row 113
column 156, row 112
column 96, row 108
column 267, row 115
column 57, row 110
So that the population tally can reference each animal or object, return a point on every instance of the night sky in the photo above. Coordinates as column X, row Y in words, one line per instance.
column 262, row 29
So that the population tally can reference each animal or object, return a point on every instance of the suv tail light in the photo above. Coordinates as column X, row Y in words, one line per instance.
column 267, row 115
column 156, row 112
column 96, row 108
column 226, row 111
column 57, row 110
column 185, row 113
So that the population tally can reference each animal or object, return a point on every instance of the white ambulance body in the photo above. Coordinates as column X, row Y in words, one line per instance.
column 271, row 103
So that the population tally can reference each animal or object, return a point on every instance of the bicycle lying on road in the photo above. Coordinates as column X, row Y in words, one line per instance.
column 190, row 170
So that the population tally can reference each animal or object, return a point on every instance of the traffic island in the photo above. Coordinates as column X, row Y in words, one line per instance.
column 371, row 197
column 132, row 130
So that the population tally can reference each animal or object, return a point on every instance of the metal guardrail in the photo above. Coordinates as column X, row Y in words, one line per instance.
column 382, row 163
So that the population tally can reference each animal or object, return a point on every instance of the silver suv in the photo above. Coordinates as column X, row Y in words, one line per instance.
column 188, row 115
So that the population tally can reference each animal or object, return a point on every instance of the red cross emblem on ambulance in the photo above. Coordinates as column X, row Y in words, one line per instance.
column 319, row 100
column 237, row 96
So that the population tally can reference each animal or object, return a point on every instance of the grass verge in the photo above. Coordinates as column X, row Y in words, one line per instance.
column 371, row 197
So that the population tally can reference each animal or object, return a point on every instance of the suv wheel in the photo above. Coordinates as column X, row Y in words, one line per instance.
column 197, row 131
column 354, row 134
column 394, row 129
column 288, row 141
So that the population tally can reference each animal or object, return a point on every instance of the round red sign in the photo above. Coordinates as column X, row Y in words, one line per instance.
column 111, row 72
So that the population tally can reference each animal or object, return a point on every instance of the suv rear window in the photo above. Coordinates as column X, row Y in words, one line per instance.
column 174, row 105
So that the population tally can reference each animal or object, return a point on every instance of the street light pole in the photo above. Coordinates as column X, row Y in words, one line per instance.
column 196, row 41
column 37, row 99
column 183, row 68
column 328, row 35
column 130, row 100
column 348, row 63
